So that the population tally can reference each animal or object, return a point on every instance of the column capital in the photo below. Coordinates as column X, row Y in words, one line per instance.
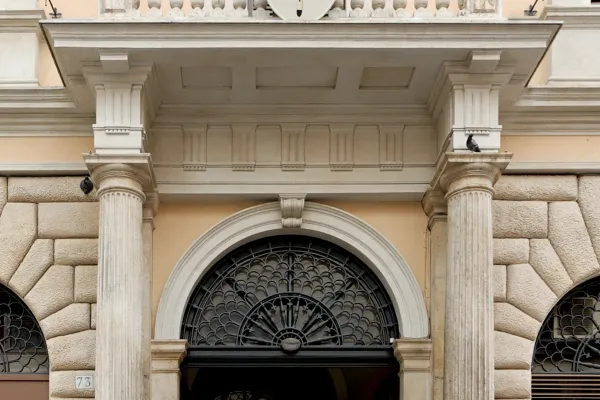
column 150, row 207
column 465, row 100
column 130, row 172
column 413, row 354
column 168, row 354
column 434, row 204
column 463, row 171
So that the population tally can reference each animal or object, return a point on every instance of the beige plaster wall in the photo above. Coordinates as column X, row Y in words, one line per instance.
column 552, row 148
column 179, row 225
column 44, row 149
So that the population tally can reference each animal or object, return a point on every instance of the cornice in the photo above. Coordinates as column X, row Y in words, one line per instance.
column 351, row 33
column 31, row 98
column 32, row 122
column 21, row 20
column 173, row 116
column 578, row 17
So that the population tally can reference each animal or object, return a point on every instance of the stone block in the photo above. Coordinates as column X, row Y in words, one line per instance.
column 512, row 352
column 73, row 352
column 86, row 283
column 3, row 193
column 62, row 385
column 589, row 203
column 536, row 187
column 36, row 262
column 499, row 282
column 520, row 219
column 509, row 319
column 18, row 224
column 512, row 384
column 47, row 190
column 569, row 237
column 528, row 292
column 68, row 220
column 71, row 319
column 93, row 318
column 76, row 251
column 511, row 251
column 548, row 266
column 52, row 292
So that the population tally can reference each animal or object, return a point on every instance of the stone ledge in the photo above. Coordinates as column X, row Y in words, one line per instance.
column 520, row 219
column 62, row 385
column 73, row 352
column 512, row 384
column 536, row 187
column 72, row 319
column 47, row 190
column 68, row 220
column 76, row 251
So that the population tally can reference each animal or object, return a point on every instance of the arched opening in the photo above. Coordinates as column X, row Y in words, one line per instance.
column 24, row 363
column 566, row 357
column 289, row 317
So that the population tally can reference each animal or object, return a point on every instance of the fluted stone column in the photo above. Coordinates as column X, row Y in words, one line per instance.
column 434, row 205
column 468, row 180
column 123, row 310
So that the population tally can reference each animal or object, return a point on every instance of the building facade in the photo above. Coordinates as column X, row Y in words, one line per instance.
column 272, row 199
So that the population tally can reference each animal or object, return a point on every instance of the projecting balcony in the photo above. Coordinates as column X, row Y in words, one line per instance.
column 301, row 10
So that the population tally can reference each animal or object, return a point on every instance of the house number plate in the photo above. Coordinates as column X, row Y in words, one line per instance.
column 84, row 382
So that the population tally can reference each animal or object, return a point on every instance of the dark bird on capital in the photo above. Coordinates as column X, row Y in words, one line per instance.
column 472, row 145
column 86, row 185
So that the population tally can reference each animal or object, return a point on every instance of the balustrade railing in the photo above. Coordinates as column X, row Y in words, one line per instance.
column 259, row 9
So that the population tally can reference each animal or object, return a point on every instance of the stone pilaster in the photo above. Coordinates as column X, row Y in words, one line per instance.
column 166, row 357
column 414, row 356
column 434, row 205
column 123, row 310
column 468, row 180
column 148, row 213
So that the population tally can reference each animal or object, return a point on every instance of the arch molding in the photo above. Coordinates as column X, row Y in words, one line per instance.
column 318, row 220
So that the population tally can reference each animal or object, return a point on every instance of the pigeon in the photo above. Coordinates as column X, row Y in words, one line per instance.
column 472, row 145
column 86, row 185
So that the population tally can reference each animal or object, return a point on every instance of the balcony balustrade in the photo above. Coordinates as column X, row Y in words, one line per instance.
column 260, row 9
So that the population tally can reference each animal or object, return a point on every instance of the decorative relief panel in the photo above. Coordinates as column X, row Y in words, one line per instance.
column 295, row 147
column 194, row 148
column 341, row 149
column 292, row 147
column 244, row 147
column 390, row 147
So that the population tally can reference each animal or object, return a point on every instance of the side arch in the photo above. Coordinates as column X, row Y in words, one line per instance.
column 23, row 347
column 318, row 220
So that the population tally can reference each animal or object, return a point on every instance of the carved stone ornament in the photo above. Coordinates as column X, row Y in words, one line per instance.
column 292, row 206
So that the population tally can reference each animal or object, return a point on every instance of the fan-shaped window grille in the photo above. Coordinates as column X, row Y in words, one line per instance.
column 289, row 289
column 22, row 344
column 566, row 359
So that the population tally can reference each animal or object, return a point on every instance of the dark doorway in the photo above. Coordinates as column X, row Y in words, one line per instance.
column 290, row 383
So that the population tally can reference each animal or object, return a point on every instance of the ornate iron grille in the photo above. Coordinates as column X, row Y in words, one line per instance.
column 22, row 344
column 289, row 291
column 569, row 340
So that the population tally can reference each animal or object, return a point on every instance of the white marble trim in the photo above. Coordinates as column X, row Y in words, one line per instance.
column 319, row 220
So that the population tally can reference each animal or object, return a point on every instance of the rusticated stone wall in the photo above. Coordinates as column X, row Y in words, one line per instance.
column 546, row 241
column 49, row 256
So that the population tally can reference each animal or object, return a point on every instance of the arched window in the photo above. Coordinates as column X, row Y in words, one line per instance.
column 292, row 301
column 566, row 358
column 289, row 291
column 22, row 345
